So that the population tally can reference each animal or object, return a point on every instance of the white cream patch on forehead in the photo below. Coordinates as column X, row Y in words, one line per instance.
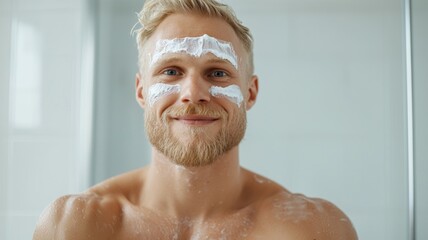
column 232, row 93
column 196, row 47
column 159, row 90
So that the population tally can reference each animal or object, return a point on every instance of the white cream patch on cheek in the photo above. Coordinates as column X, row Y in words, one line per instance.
column 196, row 47
column 159, row 90
column 232, row 93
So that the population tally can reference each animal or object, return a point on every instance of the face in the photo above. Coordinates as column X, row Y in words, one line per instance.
column 195, row 101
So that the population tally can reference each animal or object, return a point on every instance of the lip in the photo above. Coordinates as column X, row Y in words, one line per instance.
column 196, row 119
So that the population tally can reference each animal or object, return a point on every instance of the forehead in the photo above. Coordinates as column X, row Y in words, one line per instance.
column 194, row 25
column 196, row 47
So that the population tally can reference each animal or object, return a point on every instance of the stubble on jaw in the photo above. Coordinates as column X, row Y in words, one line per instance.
column 201, row 149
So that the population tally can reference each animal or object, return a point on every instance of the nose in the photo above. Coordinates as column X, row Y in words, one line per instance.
column 195, row 89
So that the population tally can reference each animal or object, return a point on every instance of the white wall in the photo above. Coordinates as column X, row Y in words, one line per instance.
column 43, row 117
column 119, row 139
column 5, row 29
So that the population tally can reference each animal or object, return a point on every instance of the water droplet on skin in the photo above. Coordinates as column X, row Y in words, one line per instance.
column 292, row 208
column 259, row 179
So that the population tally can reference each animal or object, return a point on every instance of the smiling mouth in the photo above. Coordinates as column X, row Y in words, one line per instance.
column 198, row 120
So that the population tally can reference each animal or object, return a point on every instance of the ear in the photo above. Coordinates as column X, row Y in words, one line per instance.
column 139, row 90
column 253, row 90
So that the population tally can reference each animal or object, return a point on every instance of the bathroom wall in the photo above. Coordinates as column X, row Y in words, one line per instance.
column 45, row 112
column 5, row 29
column 119, row 140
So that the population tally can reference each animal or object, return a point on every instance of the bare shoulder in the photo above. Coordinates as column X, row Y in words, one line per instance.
column 286, row 215
column 83, row 216
column 95, row 214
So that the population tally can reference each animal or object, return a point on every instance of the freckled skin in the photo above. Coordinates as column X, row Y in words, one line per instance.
column 217, row 201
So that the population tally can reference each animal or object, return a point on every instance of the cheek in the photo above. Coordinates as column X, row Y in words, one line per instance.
column 159, row 91
column 232, row 93
column 154, row 113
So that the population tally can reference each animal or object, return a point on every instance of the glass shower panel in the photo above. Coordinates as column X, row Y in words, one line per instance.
column 420, row 93
column 332, row 106
column 330, row 120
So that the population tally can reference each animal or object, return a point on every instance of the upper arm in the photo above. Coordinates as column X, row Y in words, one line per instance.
column 78, row 217
column 47, row 225
column 334, row 224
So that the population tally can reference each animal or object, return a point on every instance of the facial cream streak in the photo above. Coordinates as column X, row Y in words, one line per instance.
column 196, row 47
column 159, row 90
column 232, row 93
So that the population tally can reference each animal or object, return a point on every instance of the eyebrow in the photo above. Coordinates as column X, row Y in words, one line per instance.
column 172, row 59
column 166, row 60
column 218, row 60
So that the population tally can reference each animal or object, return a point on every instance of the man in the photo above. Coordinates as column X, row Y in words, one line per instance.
column 195, row 84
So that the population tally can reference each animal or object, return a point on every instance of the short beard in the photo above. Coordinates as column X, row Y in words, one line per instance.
column 201, row 149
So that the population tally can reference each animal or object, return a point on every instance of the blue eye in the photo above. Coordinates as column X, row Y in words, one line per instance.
column 170, row 72
column 218, row 74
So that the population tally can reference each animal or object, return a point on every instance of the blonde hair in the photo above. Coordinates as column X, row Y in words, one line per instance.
column 155, row 11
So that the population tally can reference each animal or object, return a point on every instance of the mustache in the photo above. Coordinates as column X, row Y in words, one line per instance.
column 195, row 109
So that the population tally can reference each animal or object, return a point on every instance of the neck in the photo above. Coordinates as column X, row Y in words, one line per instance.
column 194, row 192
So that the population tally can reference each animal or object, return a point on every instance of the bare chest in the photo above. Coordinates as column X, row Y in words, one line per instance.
column 149, row 226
